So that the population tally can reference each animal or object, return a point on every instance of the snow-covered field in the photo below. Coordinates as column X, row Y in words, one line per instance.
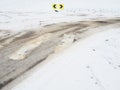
column 90, row 64
column 19, row 21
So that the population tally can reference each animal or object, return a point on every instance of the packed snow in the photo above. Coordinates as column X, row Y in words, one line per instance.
column 29, row 47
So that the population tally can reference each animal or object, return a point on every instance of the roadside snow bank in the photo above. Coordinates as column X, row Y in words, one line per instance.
column 91, row 64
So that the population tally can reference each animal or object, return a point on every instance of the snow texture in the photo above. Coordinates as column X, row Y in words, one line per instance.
column 91, row 64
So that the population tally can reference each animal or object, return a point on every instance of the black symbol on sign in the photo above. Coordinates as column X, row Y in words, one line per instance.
column 61, row 6
column 54, row 6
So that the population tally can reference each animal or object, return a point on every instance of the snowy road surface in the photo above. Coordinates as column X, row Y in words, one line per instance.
column 21, row 51
column 91, row 64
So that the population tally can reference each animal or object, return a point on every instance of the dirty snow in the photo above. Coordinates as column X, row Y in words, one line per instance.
column 24, row 51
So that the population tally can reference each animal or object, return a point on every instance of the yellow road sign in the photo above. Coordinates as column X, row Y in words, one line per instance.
column 58, row 7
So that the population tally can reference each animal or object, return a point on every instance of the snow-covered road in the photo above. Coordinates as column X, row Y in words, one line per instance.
column 76, row 48
column 91, row 64
column 28, row 38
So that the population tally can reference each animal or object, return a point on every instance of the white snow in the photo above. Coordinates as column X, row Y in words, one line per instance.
column 19, row 21
column 90, row 64
column 34, row 20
